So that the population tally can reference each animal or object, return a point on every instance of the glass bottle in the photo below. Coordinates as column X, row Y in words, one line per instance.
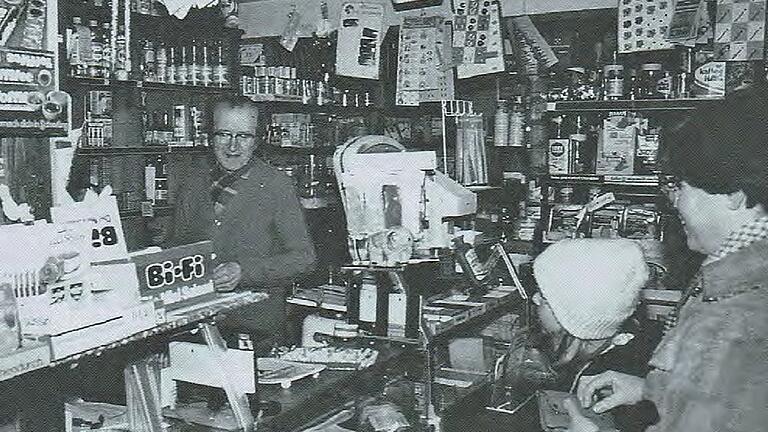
column 182, row 71
column 161, row 62
column 74, row 48
column 121, row 51
column 170, row 72
column 516, row 136
column 107, row 60
column 148, row 60
column 97, row 50
column 577, row 142
column 195, row 74
column 220, row 68
column 206, row 70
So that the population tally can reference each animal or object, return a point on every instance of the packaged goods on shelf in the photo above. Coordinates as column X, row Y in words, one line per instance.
column 291, row 130
column 562, row 221
column 606, row 222
column 616, row 146
column 641, row 222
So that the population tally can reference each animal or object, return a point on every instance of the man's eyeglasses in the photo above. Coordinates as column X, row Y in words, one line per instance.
column 671, row 187
column 226, row 137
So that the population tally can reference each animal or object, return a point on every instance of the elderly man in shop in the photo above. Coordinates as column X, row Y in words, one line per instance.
column 251, row 213
column 709, row 372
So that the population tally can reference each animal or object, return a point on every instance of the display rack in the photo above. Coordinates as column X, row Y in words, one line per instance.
column 193, row 315
column 629, row 105
column 148, row 150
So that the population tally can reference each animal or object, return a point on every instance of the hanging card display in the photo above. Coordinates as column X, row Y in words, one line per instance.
column 477, row 45
column 740, row 30
column 424, row 72
column 30, row 103
column 358, row 50
column 644, row 25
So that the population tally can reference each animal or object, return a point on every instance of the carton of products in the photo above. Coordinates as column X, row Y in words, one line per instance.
column 709, row 81
column 560, row 158
column 616, row 146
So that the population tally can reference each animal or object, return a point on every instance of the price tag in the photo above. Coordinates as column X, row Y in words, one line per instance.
column 99, row 219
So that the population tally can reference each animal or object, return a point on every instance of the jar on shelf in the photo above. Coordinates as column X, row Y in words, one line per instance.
column 613, row 82
column 650, row 74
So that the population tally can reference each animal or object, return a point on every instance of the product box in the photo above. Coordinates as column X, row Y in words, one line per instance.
column 10, row 334
column 176, row 274
column 616, row 147
column 560, row 157
column 34, row 355
column 133, row 320
column 647, row 154
column 709, row 80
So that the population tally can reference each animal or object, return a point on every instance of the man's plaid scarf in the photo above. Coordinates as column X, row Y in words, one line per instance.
column 221, row 189
column 748, row 234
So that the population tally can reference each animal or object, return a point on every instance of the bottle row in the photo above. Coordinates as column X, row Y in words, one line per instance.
column 142, row 7
column 96, row 50
column 282, row 83
column 198, row 62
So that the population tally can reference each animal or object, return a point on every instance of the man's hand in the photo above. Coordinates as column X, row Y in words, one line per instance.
column 579, row 423
column 226, row 276
column 622, row 389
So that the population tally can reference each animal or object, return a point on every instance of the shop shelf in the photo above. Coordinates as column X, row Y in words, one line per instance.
column 148, row 150
column 37, row 355
column 156, row 211
column 630, row 105
column 294, row 103
column 623, row 180
column 108, row 83
column 317, row 150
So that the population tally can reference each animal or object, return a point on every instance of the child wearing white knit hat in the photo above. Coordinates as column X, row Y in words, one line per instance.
column 591, row 285
column 588, row 289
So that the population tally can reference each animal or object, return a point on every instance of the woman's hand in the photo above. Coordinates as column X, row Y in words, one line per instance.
column 622, row 389
column 226, row 276
column 579, row 423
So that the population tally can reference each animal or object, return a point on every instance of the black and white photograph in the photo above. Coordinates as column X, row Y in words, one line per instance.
column 383, row 216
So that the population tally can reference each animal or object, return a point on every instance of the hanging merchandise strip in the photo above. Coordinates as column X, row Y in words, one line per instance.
column 533, row 48
column 477, row 46
column 644, row 24
column 358, row 50
column 740, row 30
column 424, row 71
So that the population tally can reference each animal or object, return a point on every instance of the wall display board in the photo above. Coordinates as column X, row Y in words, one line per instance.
column 477, row 46
column 424, row 72
column 30, row 102
column 740, row 30
column 358, row 50
column 644, row 25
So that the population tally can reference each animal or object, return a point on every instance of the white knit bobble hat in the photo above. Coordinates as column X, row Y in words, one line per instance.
column 591, row 285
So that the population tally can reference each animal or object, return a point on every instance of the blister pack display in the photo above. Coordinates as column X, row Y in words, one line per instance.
column 477, row 47
column 424, row 72
column 740, row 30
column 643, row 25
